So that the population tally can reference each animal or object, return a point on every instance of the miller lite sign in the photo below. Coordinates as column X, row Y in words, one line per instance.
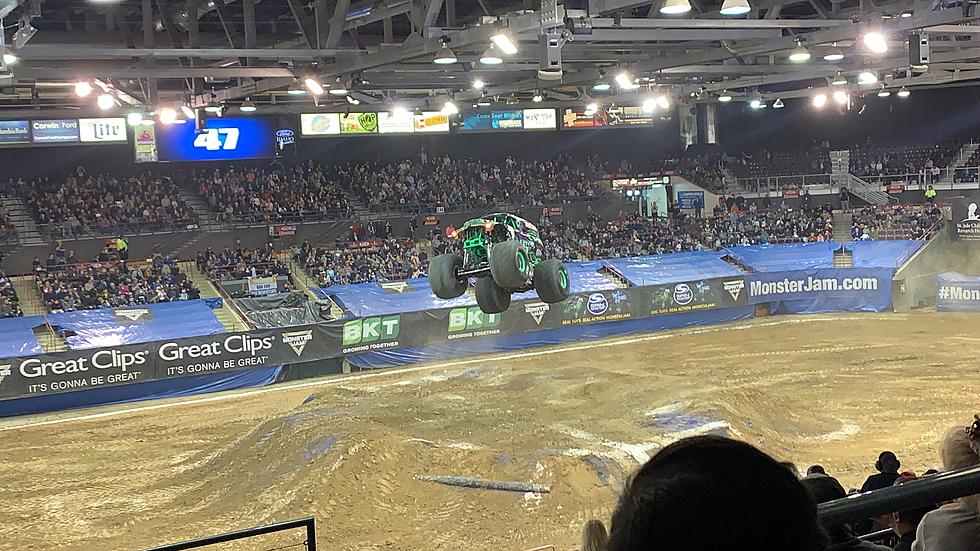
column 102, row 130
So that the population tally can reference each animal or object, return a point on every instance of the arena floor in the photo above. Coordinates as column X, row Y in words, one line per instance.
column 829, row 389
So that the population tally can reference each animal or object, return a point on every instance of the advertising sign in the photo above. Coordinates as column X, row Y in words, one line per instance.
column 320, row 124
column 492, row 120
column 102, row 130
column 613, row 115
column 956, row 291
column 359, row 123
column 690, row 199
column 55, row 131
column 856, row 288
column 14, row 132
column 966, row 216
column 145, row 143
column 540, row 119
column 258, row 286
column 431, row 122
column 223, row 139
column 402, row 122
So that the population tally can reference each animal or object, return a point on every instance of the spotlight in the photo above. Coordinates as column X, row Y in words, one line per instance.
column 106, row 102
column 352, row 101
column 867, row 77
column 663, row 102
column 83, row 89
column 491, row 57
column 10, row 59
column 213, row 107
column 800, row 53
column 904, row 93
column 840, row 97
column 446, row 56
column 875, row 42
column 819, row 100
column 399, row 112
column 134, row 118
column 725, row 97
column 504, row 43
column 883, row 93
column 735, row 7
column 649, row 105
column 338, row 88
column 537, row 98
column 625, row 81
column 906, row 14
column 757, row 104
column 248, row 106
column 296, row 89
column 449, row 108
column 675, row 7
column 314, row 86
column 168, row 115
column 839, row 80
column 188, row 112
column 835, row 54
column 478, row 84
column 601, row 85
column 778, row 104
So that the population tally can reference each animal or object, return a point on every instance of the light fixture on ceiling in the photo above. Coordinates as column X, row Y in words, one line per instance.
column 875, row 42
column 339, row 88
column 106, row 102
column 625, row 81
column 296, row 89
column 505, row 43
column 757, row 104
column 10, row 59
column 248, row 106
column 800, row 53
column 735, row 7
column 399, row 112
column 187, row 111
column 83, row 89
column 601, row 85
column 663, row 102
column 725, row 97
column 841, row 97
column 883, row 93
column 778, row 104
column 491, row 56
column 834, row 54
column 213, row 107
column 820, row 100
column 445, row 56
column 649, row 105
column 352, row 101
column 839, row 80
column 314, row 86
column 675, row 7
column 134, row 118
column 904, row 93
column 484, row 101
column 167, row 115
column 906, row 14
column 478, row 84
column 449, row 108
column 538, row 97
column 867, row 77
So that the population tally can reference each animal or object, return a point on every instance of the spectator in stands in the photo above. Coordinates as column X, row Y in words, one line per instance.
column 930, row 194
column 956, row 526
column 376, row 260
column 815, row 469
column 9, row 302
column 845, row 198
column 824, row 488
column 904, row 523
column 711, row 493
column 887, row 466
column 241, row 263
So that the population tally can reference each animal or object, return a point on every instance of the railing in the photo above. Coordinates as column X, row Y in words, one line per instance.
column 309, row 523
column 63, row 231
column 946, row 179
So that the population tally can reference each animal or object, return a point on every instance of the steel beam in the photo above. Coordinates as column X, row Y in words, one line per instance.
column 55, row 52
column 638, row 23
column 649, row 35
column 337, row 23
column 59, row 72
column 424, row 14
column 303, row 22
column 7, row 6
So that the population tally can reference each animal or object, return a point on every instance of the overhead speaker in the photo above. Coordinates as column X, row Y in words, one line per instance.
column 918, row 49
column 549, row 58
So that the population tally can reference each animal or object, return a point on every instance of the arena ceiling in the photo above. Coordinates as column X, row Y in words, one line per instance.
column 149, row 53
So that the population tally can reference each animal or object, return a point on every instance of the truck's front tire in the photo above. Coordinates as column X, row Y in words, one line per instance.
column 551, row 281
column 510, row 265
column 490, row 297
column 443, row 276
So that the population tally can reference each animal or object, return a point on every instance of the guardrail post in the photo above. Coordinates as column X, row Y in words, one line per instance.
column 311, row 534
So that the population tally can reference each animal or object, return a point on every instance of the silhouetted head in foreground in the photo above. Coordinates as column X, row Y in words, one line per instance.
column 709, row 493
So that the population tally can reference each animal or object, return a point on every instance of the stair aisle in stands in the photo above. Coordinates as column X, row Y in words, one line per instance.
column 842, row 226
column 226, row 314
column 27, row 231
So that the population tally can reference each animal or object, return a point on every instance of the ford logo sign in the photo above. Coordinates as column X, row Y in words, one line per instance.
column 284, row 133
column 683, row 294
column 598, row 304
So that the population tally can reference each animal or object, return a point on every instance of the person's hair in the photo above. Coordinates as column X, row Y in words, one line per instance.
column 815, row 469
column 709, row 492
column 957, row 452
column 594, row 536
column 887, row 462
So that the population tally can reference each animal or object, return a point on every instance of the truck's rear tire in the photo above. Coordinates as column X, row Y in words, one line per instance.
column 443, row 276
column 490, row 297
column 510, row 265
column 551, row 281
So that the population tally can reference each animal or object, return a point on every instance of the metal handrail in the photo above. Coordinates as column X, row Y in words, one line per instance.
column 911, row 495
column 308, row 522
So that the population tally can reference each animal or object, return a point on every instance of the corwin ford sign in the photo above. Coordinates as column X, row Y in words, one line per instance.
column 853, row 289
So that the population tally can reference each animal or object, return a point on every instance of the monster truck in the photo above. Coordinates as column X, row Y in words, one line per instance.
column 503, row 253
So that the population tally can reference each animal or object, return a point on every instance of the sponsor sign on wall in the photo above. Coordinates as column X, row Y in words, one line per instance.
column 957, row 291
column 320, row 124
column 55, row 131
column 432, row 122
column 359, row 123
column 102, row 130
column 15, row 132
column 401, row 122
column 966, row 216
column 540, row 119
column 626, row 115
column 511, row 119
column 145, row 143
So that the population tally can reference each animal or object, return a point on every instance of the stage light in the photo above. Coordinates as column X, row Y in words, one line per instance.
column 735, row 7
column 248, row 106
column 491, row 57
column 649, row 105
column 675, row 7
column 352, row 101
column 449, row 108
column 904, row 93
column 601, row 85
column 504, row 43
column 338, row 88
column 399, row 112
column 906, row 14
column 875, row 42
column 778, row 104
column 819, row 100
column 478, row 84
column 800, row 53
column 296, row 89
column 134, row 118
column 883, row 93
column 867, row 77
column 835, row 54
column 840, row 97
column 757, row 104
column 625, row 81
column 213, row 107
column 106, row 102
column 663, row 102
column 83, row 89
column 168, row 115
column 725, row 97
column 314, row 86
column 537, row 98
column 10, row 59
column 446, row 56
column 188, row 112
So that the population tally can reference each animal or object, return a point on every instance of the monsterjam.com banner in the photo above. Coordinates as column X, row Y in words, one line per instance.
column 104, row 367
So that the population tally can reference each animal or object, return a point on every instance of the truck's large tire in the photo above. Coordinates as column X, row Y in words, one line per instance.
column 510, row 265
column 551, row 281
column 490, row 297
column 442, row 276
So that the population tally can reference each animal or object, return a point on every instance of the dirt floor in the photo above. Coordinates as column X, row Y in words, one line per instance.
column 830, row 389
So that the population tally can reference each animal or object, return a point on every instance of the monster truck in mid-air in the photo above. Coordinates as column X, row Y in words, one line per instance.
column 502, row 252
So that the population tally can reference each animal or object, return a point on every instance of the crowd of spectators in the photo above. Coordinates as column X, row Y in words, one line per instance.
column 240, row 262
column 9, row 302
column 361, row 262
column 99, row 204
column 898, row 222
column 65, row 287
column 665, row 503
column 922, row 163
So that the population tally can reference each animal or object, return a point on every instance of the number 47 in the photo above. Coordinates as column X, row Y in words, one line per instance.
column 214, row 139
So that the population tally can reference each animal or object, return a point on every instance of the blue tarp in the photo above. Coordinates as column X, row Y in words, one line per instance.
column 956, row 291
column 136, row 324
column 17, row 336
column 883, row 254
column 789, row 256
column 150, row 390
column 822, row 290
column 489, row 345
column 672, row 268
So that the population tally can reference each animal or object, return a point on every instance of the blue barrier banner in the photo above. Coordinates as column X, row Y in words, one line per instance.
column 822, row 290
column 956, row 291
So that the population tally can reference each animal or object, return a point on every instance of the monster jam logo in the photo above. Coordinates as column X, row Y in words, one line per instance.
column 537, row 310
column 4, row 372
column 598, row 304
column 372, row 331
column 683, row 294
column 734, row 288
column 471, row 319
column 133, row 314
column 297, row 340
